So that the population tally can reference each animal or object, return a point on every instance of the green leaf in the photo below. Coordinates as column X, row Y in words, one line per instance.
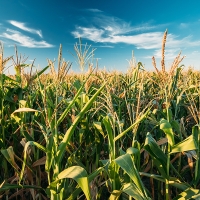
column 159, row 158
column 9, row 155
column 97, row 125
column 6, row 187
column 25, row 155
column 115, row 195
column 39, row 73
column 175, row 182
column 90, row 178
column 190, row 193
column 108, row 126
column 134, row 124
column 79, row 174
column 133, row 191
column 127, row 164
column 167, row 128
column 70, row 131
column 186, row 145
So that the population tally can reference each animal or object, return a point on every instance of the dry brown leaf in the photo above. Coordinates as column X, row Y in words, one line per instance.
column 41, row 161
column 25, row 110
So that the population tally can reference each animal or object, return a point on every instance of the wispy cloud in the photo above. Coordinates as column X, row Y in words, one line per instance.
column 94, row 10
column 110, row 29
column 183, row 25
column 106, row 29
column 169, row 53
column 23, row 40
column 23, row 27
column 149, row 40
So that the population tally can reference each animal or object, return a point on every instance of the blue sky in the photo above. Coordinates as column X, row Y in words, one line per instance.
column 114, row 27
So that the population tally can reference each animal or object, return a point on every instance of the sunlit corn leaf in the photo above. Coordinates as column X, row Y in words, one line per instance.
column 90, row 178
column 115, row 195
column 135, row 155
column 113, row 171
column 127, row 164
column 167, row 128
column 80, row 89
column 98, row 126
column 186, row 145
column 9, row 155
column 25, row 110
column 25, row 155
column 1, row 185
column 159, row 158
column 108, row 126
column 70, row 131
column 79, row 174
column 134, row 192
column 133, row 151
column 39, row 73
column 175, row 182
column 189, row 193
column 49, row 153
column 140, row 119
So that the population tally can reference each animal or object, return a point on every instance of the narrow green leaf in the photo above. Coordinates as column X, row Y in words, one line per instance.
column 39, row 73
column 79, row 174
column 175, row 182
column 97, row 125
column 115, row 195
column 159, row 158
column 186, row 145
column 190, row 193
column 25, row 155
column 127, row 164
column 134, row 124
column 108, row 126
column 133, row 191
column 70, row 131
column 6, row 187
column 9, row 155
column 90, row 178
column 73, row 101
column 167, row 128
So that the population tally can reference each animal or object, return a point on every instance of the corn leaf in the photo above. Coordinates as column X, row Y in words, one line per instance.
column 141, row 118
column 9, row 155
column 127, row 164
column 186, row 145
column 190, row 193
column 133, row 191
column 159, row 158
column 70, row 131
column 167, row 128
column 79, row 174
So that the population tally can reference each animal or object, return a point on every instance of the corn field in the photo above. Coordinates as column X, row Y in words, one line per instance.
column 99, row 135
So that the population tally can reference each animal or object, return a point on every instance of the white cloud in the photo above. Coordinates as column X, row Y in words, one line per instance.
column 111, row 30
column 169, row 53
column 24, row 40
column 94, row 10
column 22, row 26
column 151, row 40
column 183, row 25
